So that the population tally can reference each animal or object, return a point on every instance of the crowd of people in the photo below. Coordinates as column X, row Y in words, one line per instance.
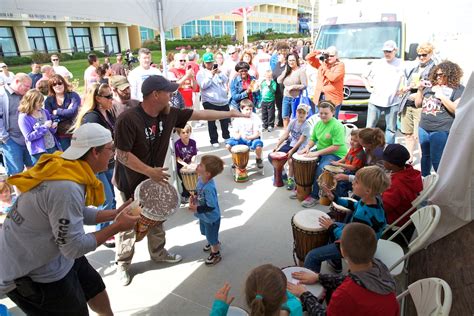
column 65, row 153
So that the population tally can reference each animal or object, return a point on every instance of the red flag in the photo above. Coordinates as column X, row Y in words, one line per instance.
column 240, row 11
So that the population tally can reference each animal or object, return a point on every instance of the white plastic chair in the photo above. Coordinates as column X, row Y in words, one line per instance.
column 348, row 129
column 429, row 183
column 426, row 295
column 392, row 255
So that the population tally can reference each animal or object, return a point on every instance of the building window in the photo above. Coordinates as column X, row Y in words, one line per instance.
column 169, row 35
column 79, row 39
column 111, row 40
column 229, row 27
column 146, row 34
column 8, row 45
column 217, row 28
column 42, row 39
column 204, row 27
column 188, row 30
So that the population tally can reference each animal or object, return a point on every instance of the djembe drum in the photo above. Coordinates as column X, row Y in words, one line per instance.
column 190, row 178
column 158, row 202
column 278, row 160
column 307, row 232
column 338, row 213
column 304, row 169
column 240, row 158
column 327, row 180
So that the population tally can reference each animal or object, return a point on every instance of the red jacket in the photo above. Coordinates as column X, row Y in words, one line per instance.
column 352, row 299
column 405, row 187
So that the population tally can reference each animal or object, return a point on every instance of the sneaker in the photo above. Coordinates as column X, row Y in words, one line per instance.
column 270, row 129
column 171, row 258
column 216, row 145
column 206, row 248
column 293, row 195
column 213, row 258
column 184, row 199
column 336, row 267
column 110, row 243
column 259, row 163
column 123, row 276
column 290, row 184
column 309, row 202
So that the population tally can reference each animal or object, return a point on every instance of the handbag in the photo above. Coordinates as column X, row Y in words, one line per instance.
column 303, row 98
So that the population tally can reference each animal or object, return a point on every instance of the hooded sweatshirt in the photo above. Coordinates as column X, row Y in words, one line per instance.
column 364, row 293
column 405, row 187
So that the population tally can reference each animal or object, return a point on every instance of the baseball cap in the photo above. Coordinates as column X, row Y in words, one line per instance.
column 158, row 83
column 119, row 82
column 208, row 58
column 259, row 46
column 3, row 65
column 396, row 154
column 84, row 138
column 303, row 107
column 389, row 45
column 231, row 49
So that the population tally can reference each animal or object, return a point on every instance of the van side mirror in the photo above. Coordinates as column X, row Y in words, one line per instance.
column 412, row 54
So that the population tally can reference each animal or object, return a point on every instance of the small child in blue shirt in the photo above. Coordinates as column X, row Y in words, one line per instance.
column 206, row 205
column 369, row 183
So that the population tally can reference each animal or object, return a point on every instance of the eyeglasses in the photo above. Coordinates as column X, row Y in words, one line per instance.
column 59, row 83
column 109, row 97
column 422, row 55
column 232, row 53
column 388, row 51
column 294, row 60
column 182, row 60
column 243, row 70
column 332, row 55
column 55, row 59
column 439, row 75
column 111, row 148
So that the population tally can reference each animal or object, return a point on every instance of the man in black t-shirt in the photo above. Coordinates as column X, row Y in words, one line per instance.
column 142, row 136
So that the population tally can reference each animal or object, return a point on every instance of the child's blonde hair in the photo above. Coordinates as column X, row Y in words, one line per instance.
column 265, row 290
column 374, row 178
column 29, row 101
column 187, row 128
column 213, row 164
column 245, row 103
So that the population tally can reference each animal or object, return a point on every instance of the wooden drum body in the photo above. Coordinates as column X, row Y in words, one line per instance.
column 190, row 178
column 304, row 169
column 338, row 212
column 240, row 158
column 307, row 232
column 327, row 179
column 278, row 162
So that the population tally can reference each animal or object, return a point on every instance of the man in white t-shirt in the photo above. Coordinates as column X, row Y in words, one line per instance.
column 90, row 74
column 261, row 61
column 60, row 70
column 383, row 82
column 139, row 74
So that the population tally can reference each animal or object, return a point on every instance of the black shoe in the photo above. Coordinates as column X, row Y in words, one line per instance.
column 213, row 258
column 336, row 266
column 259, row 163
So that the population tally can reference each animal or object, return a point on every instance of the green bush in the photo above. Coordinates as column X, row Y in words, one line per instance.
column 64, row 57
column 79, row 55
column 16, row 60
column 151, row 45
column 97, row 53
column 41, row 58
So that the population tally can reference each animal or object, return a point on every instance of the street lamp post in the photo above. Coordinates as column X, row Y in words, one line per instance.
column 313, row 4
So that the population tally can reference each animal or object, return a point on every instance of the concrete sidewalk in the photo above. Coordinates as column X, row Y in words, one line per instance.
column 255, row 229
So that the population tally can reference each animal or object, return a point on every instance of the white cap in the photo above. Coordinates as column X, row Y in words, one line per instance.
column 389, row 45
column 231, row 49
column 84, row 138
column 3, row 65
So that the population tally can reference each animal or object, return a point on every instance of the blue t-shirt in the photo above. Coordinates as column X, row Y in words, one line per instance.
column 208, row 206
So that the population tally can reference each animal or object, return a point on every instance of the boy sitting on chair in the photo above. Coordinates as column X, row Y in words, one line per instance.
column 247, row 131
column 367, row 290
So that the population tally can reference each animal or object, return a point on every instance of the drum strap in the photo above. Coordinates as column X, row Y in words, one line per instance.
column 151, row 142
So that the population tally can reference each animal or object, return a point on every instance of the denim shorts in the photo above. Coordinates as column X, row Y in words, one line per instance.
column 211, row 231
column 16, row 157
column 253, row 144
column 287, row 106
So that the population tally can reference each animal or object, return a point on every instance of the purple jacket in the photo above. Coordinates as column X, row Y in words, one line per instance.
column 34, row 134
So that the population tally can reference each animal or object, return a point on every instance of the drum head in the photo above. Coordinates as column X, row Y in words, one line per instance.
column 316, row 289
column 333, row 169
column 240, row 149
column 158, row 201
column 308, row 220
column 299, row 157
column 188, row 169
column 278, row 155
column 236, row 311
column 340, row 207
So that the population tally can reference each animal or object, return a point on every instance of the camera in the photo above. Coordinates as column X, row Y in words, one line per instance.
column 425, row 83
column 215, row 66
column 323, row 56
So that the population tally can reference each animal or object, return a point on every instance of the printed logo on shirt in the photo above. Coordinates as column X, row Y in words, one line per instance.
column 431, row 105
column 63, row 230
column 328, row 136
column 150, row 133
column 14, row 215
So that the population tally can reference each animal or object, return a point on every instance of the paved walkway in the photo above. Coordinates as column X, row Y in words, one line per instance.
column 255, row 229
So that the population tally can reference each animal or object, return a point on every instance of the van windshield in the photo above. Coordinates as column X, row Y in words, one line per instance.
column 359, row 40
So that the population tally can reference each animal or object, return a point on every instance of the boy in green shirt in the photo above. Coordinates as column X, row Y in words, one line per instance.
column 268, row 88
column 329, row 137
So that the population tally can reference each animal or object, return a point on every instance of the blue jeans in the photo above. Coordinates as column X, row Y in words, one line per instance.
column 110, row 203
column 15, row 157
column 286, row 106
column 373, row 115
column 211, row 125
column 315, row 257
column 253, row 144
column 36, row 157
column 211, row 231
column 323, row 161
column 432, row 147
